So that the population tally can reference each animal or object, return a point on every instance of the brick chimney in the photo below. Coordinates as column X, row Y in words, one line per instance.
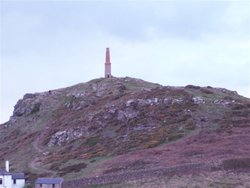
column 7, row 166
column 107, row 65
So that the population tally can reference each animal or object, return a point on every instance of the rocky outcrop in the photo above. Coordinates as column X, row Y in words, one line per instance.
column 65, row 136
column 28, row 105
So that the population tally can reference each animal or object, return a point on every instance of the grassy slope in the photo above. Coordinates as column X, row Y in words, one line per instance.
column 213, row 179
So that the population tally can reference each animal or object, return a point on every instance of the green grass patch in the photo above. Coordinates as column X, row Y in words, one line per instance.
column 175, row 136
column 92, row 141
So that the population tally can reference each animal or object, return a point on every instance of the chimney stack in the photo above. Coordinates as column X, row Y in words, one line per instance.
column 107, row 73
column 7, row 166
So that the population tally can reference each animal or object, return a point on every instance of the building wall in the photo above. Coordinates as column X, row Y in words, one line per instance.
column 48, row 186
column 107, row 70
column 20, row 183
column 7, row 181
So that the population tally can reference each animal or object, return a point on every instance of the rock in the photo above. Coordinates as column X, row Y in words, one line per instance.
column 65, row 136
column 107, row 116
column 112, row 110
column 29, row 96
column 226, row 91
column 46, row 153
column 178, row 101
column 192, row 87
column 77, row 102
column 222, row 102
column 130, row 113
column 12, row 121
column 121, row 116
column 167, row 101
column 152, row 101
column 130, row 102
column 26, row 107
column 142, row 102
column 218, row 101
column 198, row 100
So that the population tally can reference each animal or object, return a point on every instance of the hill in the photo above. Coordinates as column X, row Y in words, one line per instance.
column 107, row 127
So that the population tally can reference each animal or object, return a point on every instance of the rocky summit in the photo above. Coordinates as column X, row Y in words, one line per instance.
column 120, row 130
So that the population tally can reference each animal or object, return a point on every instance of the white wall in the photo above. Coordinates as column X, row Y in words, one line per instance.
column 47, row 186
column 6, row 181
column 19, row 183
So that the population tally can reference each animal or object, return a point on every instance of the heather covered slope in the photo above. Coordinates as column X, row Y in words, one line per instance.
column 120, row 125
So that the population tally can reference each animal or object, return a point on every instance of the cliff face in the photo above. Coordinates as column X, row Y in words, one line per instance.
column 122, row 124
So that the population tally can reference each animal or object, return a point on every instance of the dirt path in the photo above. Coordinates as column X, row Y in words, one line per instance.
column 34, row 164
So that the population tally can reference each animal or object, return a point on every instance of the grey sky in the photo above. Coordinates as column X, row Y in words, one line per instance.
column 53, row 44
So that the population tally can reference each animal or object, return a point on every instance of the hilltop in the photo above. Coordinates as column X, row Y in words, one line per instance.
column 113, row 126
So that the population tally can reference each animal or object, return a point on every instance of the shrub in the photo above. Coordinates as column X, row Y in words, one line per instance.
column 151, row 144
column 190, row 125
column 28, row 186
column 174, row 137
column 92, row 141
column 192, row 87
column 207, row 91
column 36, row 108
column 72, row 168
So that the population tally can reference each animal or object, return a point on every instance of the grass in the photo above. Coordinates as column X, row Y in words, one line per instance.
column 209, row 180
column 91, row 167
column 92, row 141
column 72, row 169
column 214, row 127
column 102, row 186
column 234, row 164
column 36, row 108
column 24, row 157
column 174, row 136
column 135, row 86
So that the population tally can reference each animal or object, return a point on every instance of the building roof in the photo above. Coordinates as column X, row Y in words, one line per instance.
column 18, row 176
column 4, row 172
column 49, row 180
column 14, row 175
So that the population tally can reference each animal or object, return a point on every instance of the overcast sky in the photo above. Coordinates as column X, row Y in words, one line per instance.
column 53, row 44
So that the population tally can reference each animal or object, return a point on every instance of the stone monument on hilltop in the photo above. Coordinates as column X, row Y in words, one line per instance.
column 107, row 65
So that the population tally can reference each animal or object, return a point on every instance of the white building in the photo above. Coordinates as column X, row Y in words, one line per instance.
column 11, row 180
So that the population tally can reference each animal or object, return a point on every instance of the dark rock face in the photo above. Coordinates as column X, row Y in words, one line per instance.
column 26, row 106
column 29, row 96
